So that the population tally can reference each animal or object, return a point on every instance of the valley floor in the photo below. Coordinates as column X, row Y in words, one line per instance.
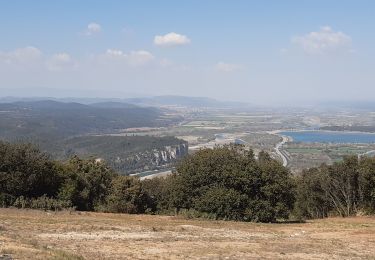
column 31, row 234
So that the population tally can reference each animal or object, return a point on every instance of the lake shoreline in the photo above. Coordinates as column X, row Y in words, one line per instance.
column 318, row 130
column 328, row 136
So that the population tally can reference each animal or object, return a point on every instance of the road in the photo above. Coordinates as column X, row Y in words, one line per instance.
column 280, row 152
column 367, row 153
column 159, row 174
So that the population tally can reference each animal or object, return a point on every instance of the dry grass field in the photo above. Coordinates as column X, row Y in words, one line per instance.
column 31, row 234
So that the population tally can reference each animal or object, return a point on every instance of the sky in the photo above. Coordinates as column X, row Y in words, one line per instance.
column 261, row 52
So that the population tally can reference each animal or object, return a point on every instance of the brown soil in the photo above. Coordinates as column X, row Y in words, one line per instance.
column 31, row 234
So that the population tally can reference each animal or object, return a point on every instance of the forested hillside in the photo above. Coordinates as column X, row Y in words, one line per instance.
column 65, row 129
column 48, row 120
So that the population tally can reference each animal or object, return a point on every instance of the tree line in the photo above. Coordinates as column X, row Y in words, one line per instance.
column 227, row 182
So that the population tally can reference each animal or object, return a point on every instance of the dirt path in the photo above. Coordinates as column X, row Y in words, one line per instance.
column 29, row 234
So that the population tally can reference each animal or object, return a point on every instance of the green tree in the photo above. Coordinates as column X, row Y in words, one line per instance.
column 223, row 202
column 340, row 183
column 230, row 183
column 26, row 171
column 277, row 189
column 126, row 196
column 367, row 183
column 86, row 183
column 162, row 193
column 344, row 188
column 311, row 199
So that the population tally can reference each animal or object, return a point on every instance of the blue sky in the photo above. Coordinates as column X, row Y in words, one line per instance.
column 255, row 51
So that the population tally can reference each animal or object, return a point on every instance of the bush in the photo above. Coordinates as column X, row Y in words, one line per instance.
column 86, row 183
column 25, row 171
column 230, row 183
column 43, row 203
column 6, row 200
column 344, row 188
column 224, row 203
column 126, row 196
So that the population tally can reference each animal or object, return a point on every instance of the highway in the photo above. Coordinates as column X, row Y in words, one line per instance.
column 280, row 152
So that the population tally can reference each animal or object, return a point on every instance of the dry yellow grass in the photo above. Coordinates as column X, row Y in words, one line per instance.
column 31, row 234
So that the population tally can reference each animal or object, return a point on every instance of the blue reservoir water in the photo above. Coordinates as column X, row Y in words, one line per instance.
column 330, row 137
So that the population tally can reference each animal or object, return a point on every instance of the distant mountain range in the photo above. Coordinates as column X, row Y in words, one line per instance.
column 183, row 101
column 157, row 101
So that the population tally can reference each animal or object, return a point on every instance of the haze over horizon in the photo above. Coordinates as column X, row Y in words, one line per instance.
column 260, row 52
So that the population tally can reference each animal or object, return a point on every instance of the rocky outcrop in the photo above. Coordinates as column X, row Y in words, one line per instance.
column 169, row 154
column 152, row 159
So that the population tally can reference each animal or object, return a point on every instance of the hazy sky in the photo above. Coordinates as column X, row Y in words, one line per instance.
column 256, row 51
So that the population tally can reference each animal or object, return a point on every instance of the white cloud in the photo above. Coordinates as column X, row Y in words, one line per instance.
column 30, row 58
column 93, row 28
column 227, row 67
column 133, row 58
column 322, row 41
column 171, row 39
column 59, row 61
column 137, row 58
column 115, row 53
column 21, row 55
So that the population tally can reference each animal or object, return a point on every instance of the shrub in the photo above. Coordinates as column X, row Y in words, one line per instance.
column 43, row 203
column 230, row 183
column 344, row 188
column 86, row 183
column 126, row 196
column 26, row 171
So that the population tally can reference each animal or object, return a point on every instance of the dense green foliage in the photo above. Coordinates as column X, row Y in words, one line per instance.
column 126, row 195
column 222, row 183
column 229, row 183
column 25, row 171
column 345, row 188
column 28, row 178
column 86, row 183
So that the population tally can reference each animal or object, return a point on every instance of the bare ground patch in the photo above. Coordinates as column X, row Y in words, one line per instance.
column 29, row 234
